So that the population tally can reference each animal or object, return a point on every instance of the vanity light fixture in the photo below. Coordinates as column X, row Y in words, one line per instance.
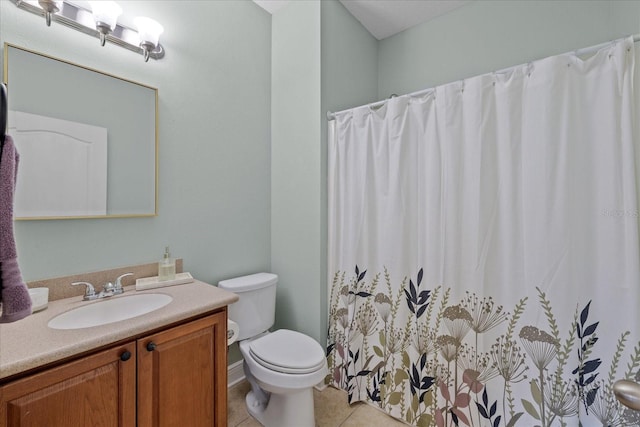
column 99, row 21
column 105, row 15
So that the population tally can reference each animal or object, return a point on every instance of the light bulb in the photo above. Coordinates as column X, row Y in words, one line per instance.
column 105, row 15
column 148, row 33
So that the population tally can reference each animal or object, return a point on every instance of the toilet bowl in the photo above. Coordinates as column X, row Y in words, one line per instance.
column 284, row 393
column 281, row 366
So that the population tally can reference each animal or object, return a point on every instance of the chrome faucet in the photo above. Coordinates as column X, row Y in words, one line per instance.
column 108, row 290
column 118, row 289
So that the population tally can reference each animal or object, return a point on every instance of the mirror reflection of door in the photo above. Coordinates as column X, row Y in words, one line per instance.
column 86, row 103
column 63, row 167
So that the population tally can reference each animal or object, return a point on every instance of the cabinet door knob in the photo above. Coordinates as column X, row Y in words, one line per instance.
column 125, row 356
column 151, row 346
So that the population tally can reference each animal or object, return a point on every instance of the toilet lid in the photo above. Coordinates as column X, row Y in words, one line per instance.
column 288, row 352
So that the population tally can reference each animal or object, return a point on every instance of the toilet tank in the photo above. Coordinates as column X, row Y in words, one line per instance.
column 255, row 311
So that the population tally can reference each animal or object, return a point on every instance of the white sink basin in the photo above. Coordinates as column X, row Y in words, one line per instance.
column 107, row 311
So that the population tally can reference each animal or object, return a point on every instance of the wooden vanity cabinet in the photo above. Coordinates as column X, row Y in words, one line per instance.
column 175, row 377
column 182, row 375
column 96, row 390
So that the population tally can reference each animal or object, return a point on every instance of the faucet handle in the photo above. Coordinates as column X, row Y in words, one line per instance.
column 89, row 292
column 108, row 287
column 119, row 281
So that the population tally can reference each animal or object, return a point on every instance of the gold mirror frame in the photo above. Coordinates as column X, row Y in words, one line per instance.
column 118, row 176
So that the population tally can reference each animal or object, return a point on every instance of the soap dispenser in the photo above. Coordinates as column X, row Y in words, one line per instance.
column 166, row 267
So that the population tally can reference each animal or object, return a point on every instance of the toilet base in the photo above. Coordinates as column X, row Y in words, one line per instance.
column 284, row 410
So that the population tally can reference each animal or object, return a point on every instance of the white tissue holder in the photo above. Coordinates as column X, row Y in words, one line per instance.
column 232, row 332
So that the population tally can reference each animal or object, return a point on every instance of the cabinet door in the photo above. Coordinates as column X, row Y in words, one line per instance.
column 182, row 375
column 97, row 390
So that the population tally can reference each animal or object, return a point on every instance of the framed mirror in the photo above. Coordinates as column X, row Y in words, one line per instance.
column 88, row 141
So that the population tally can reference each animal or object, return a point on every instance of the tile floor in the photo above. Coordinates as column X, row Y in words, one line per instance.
column 332, row 410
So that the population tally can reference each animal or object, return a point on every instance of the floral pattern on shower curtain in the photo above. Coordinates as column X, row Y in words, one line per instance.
column 484, row 249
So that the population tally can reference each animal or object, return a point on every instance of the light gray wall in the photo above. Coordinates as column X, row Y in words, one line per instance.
column 323, row 59
column 295, row 165
column 349, row 60
column 214, row 190
column 485, row 36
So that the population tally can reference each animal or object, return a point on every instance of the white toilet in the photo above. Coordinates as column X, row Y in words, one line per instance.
column 281, row 366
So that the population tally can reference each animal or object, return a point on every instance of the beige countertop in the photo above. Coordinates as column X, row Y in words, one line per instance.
column 29, row 343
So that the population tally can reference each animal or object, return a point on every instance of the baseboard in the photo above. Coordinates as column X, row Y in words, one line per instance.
column 235, row 373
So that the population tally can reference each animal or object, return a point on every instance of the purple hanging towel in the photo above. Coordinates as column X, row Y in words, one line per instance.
column 14, row 295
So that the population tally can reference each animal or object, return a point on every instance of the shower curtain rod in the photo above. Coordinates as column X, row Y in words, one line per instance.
column 578, row 52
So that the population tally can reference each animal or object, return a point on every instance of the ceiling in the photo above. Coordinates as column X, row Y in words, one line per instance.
column 384, row 18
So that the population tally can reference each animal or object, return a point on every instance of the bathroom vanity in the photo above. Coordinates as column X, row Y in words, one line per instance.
column 164, row 368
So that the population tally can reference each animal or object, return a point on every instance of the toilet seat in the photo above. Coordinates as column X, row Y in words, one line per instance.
column 288, row 352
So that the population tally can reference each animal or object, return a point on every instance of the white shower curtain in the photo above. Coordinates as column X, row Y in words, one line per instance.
column 484, row 250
